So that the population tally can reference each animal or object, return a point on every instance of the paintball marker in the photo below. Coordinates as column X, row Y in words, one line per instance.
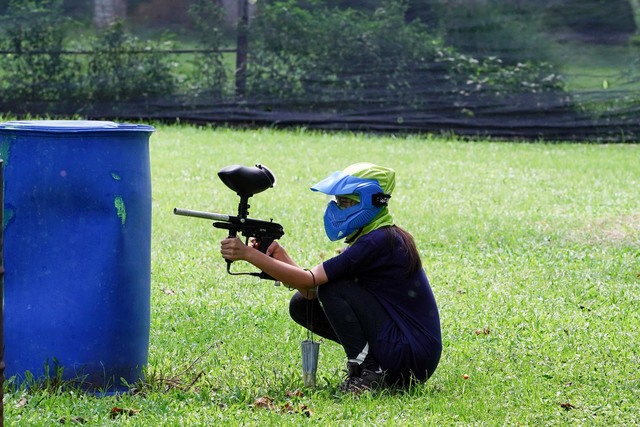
column 245, row 181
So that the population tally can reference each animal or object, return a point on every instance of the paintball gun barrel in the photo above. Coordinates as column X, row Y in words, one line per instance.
column 245, row 181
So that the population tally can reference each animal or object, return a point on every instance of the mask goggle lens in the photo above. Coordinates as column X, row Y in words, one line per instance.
column 345, row 202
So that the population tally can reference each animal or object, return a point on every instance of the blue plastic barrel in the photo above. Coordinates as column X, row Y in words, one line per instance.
column 77, row 244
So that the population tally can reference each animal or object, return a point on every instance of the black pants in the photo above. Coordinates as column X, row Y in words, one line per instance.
column 344, row 312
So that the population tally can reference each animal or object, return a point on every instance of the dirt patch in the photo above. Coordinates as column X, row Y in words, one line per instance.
column 623, row 229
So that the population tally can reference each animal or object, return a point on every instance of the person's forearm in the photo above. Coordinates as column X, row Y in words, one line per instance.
column 287, row 259
column 286, row 271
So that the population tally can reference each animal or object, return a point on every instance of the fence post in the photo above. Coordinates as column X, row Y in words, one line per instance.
column 242, row 48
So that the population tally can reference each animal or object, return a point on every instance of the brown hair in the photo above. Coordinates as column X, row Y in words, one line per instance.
column 415, row 263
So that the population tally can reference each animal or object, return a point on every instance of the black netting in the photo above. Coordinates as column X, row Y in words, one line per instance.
column 550, row 69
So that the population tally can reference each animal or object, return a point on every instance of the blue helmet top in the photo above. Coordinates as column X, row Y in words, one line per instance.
column 340, row 223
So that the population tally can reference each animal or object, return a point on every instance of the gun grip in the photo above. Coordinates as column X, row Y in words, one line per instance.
column 232, row 233
column 264, row 243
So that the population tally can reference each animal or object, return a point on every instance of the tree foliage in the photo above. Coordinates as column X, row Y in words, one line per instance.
column 37, row 71
column 123, row 67
column 332, row 58
column 304, row 54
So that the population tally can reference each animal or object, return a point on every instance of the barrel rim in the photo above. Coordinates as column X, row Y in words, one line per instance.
column 72, row 126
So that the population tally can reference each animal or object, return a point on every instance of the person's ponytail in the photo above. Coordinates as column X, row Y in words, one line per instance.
column 413, row 257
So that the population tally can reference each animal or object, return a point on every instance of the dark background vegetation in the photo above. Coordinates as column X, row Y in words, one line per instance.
column 471, row 67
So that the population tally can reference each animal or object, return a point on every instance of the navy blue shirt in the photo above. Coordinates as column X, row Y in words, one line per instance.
column 411, row 342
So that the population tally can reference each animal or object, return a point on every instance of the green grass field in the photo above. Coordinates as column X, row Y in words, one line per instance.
column 533, row 254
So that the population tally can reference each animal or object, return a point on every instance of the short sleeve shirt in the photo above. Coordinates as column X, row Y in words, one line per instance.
column 379, row 262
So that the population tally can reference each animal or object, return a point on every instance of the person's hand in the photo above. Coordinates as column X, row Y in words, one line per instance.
column 233, row 249
column 277, row 251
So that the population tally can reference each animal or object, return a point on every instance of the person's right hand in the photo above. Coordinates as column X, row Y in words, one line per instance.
column 232, row 249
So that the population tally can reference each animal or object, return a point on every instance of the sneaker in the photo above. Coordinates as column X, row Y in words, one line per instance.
column 366, row 380
column 353, row 371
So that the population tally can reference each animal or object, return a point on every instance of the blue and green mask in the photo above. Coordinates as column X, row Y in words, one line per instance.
column 371, row 186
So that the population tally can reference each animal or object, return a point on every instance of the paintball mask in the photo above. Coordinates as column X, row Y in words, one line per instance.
column 339, row 223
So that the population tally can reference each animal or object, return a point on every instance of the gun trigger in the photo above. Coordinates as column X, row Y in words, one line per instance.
column 276, row 283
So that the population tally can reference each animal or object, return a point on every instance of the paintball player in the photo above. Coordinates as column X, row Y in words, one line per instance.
column 373, row 298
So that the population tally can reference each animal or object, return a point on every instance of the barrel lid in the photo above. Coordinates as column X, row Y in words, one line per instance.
column 72, row 126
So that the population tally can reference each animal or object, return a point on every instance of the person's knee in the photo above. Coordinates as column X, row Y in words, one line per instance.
column 338, row 289
column 331, row 289
column 298, row 308
column 323, row 291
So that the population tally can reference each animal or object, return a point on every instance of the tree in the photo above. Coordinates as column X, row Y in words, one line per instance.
column 635, row 8
column 106, row 12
